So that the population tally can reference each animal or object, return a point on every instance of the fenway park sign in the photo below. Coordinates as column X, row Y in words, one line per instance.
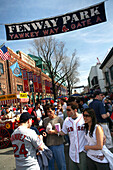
column 55, row 25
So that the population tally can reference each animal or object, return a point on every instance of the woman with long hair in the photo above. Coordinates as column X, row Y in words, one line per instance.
column 94, row 135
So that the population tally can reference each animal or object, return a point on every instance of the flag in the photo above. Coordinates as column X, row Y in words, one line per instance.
column 25, row 80
column 4, row 53
column 16, row 69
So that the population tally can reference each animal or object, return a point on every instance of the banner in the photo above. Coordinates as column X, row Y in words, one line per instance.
column 40, row 84
column 47, row 86
column 25, row 79
column 16, row 69
column 30, row 78
column 49, row 26
column 35, row 80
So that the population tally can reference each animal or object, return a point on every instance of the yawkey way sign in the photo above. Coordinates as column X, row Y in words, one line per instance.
column 60, row 24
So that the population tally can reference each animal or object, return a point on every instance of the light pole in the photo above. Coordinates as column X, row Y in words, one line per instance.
column 31, row 84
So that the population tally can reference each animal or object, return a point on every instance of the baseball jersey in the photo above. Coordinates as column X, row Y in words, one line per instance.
column 75, row 129
column 25, row 142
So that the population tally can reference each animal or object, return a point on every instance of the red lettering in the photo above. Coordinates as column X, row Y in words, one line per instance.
column 32, row 34
column 98, row 19
column 36, row 33
column 51, row 31
column 78, row 128
column 70, row 129
column 83, row 23
column 45, row 32
column 11, row 36
column 79, row 25
column 23, row 150
column 26, row 34
column 73, row 26
column 56, row 29
column 21, row 35
column 16, row 36
column 89, row 22
column 15, row 150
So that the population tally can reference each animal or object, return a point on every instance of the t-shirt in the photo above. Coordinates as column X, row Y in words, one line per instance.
column 53, row 139
column 99, row 109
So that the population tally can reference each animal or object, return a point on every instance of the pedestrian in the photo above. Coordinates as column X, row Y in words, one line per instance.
column 74, row 126
column 25, row 142
column 59, row 111
column 54, row 141
column 83, row 103
column 102, row 116
column 96, row 160
column 63, row 103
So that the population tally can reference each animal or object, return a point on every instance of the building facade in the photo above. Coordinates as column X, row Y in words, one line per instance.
column 107, row 69
column 96, row 78
column 10, row 84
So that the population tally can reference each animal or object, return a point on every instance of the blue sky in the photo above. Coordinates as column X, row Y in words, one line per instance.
column 90, row 42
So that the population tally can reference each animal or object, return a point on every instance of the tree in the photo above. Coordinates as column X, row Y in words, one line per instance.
column 70, row 68
column 53, row 54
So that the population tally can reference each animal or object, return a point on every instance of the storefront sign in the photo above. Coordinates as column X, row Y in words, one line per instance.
column 8, row 97
column 23, row 95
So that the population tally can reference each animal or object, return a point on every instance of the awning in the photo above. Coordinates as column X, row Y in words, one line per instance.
column 9, row 101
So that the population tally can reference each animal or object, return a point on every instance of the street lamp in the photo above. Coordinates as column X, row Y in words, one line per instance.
column 31, row 84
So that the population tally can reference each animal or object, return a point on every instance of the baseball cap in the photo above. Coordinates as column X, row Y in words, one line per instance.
column 24, row 117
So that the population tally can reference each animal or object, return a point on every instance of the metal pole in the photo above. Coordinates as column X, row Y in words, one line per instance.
column 33, row 96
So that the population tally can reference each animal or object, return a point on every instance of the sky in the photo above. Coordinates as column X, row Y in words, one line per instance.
column 90, row 42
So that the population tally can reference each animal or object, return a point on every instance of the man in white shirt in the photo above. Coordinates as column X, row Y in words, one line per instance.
column 74, row 126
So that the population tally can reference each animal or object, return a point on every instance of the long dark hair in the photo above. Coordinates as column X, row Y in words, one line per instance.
column 91, row 112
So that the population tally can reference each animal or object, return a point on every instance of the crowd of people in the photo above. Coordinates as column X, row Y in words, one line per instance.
column 83, row 123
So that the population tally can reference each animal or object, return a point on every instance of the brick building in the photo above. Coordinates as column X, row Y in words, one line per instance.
column 10, row 84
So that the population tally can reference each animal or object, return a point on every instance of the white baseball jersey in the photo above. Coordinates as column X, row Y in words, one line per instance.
column 75, row 129
column 25, row 142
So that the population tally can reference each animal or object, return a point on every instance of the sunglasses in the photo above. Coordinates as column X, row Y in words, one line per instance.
column 49, row 111
column 68, row 110
column 86, row 115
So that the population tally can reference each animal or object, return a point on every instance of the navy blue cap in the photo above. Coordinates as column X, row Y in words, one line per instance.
column 24, row 117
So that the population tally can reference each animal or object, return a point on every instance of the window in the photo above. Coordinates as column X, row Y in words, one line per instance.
column 111, row 72
column 106, row 77
column 19, row 87
column 1, row 69
column 94, row 81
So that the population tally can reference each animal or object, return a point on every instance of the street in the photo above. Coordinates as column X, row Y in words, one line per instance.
column 7, row 160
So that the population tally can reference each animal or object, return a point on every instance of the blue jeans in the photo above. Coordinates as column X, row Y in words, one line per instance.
column 58, row 156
